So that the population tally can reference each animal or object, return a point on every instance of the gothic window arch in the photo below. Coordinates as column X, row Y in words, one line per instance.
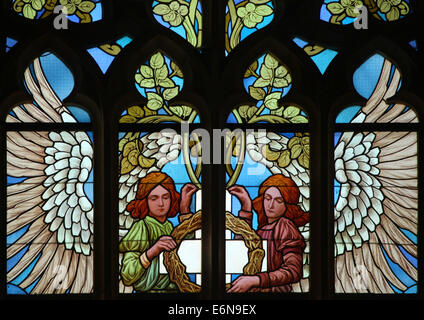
column 368, row 188
column 50, row 185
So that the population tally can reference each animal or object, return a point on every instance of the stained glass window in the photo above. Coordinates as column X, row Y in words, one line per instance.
column 268, row 191
column 242, row 18
column 108, row 191
column 376, row 189
column 77, row 11
column 184, row 17
column 159, row 187
column 50, row 213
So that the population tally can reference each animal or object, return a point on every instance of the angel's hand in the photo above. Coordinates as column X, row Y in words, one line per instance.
column 241, row 193
column 164, row 243
column 187, row 192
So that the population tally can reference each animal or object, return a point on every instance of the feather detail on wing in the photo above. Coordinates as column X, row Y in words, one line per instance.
column 268, row 149
column 49, row 207
column 376, row 198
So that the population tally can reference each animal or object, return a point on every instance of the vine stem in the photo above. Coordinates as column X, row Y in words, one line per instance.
column 192, row 117
column 232, row 11
column 235, row 35
column 164, row 105
column 192, row 10
column 159, row 118
column 191, row 33
column 256, row 115
column 187, row 161
column 200, row 33
column 240, row 161
column 237, row 115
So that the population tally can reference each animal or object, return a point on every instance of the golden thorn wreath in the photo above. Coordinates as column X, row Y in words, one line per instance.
column 177, row 270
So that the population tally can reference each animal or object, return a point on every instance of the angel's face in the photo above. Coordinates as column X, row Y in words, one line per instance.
column 274, row 204
column 159, row 202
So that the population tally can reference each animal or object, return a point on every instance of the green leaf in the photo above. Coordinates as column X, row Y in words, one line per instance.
column 293, row 141
column 291, row 112
column 252, row 111
column 29, row 12
column 86, row 6
column 147, row 83
column 37, row 4
column 280, row 72
column 304, row 160
column 155, row 101
column 166, row 83
column 181, row 111
column 261, row 83
column 145, row 163
column 176, row 69
column 335, row 8
column 157, row 60
column 385, row 7
column 122, row 143
column 404, row 9
column 251, row 71
column 161, row 9
column 393, row 14
column 126, row 166
column 295, row 151
column 284, row 159
column 127, row 119
column 266, row 72
column 247, row 111
column 299, row 119
column 271, row 100
column 270, row 61
column 263, row 10
column 305, row 141
column 280, row 83
column 269, row 154
column 130, row 146
column 133, row 157
column 146, row 71
column 242, row 110
column 148, row 112
column 257, row 93
column 170, row 93
column 306, row 149
column 138, row 78
column 162, row 72
column 136, row 111
column 278, row 112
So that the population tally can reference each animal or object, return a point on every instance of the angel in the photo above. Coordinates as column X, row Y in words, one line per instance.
column 156, row 200
column 279, row 216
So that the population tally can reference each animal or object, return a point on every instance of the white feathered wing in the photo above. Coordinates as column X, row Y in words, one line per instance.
column 378, row 196
column 51, row 201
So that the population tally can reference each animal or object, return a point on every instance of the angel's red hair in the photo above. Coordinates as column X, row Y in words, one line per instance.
column 290, row 193
column 139, row 209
